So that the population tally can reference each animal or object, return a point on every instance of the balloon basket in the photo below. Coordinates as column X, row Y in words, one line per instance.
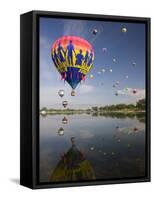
column 73, row 93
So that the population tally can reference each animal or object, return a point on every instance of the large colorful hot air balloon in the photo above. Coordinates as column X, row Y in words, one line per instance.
column 73, row 57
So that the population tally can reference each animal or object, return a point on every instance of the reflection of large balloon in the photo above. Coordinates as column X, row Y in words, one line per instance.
column 73, row 57
column 61, row 93
column 73, row 166
column 65, row 103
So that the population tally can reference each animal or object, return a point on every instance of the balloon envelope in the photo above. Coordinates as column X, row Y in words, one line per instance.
column 73, row 57
column 65, row 103
column 61, row 93
column 95, row 31
column 124, row 30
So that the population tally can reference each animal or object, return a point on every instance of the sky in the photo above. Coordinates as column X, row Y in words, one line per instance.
column 126, row 48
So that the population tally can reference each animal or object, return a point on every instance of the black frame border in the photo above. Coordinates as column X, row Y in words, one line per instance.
column 35, row 96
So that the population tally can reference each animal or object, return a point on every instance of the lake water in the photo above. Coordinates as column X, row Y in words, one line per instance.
column 114, row 146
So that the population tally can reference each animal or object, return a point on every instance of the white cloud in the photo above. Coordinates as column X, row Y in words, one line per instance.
column 84, row 89
column 45, row 43
column 140, row 93
column 72, row 27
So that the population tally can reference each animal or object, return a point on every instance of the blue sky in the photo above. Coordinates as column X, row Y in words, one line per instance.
column 126, row 47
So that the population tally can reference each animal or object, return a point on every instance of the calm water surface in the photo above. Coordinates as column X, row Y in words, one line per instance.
column 114, row 147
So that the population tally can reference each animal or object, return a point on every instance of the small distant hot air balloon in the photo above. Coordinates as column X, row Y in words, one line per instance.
column 114, row 60
column 134, row 91
column 116, row 94
column 134, row 64
column 99, row 73
column 65, row 120
column 104, row 50
column 123, row 29
column 117, row 82
column 126, row 88
column 135, row 129
column 92, row 148
column 94, row 31
column 61, row 93
column 91, row 76
column 103, row 70
column 61, row 131
column 110, row 70
column 43, row 111
column 73, row 57
column 65, row 103
column 127, row 76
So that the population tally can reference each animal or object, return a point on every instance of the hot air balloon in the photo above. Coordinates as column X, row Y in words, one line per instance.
column 104, row 50
column 43, row 111
column 126, row 88
column 117, row 82
column 134, row 91
column 134, row 64
column 94, row 31
column 92, row 148
column 123, row 29
column 114, row 60
column 116, row 94
column 61, row 93
column 103, row 70
column 110, row 70
column 73, row 57
column 65, row 103
column 91, row 76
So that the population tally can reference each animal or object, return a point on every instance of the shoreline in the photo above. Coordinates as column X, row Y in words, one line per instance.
column 68, row 111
